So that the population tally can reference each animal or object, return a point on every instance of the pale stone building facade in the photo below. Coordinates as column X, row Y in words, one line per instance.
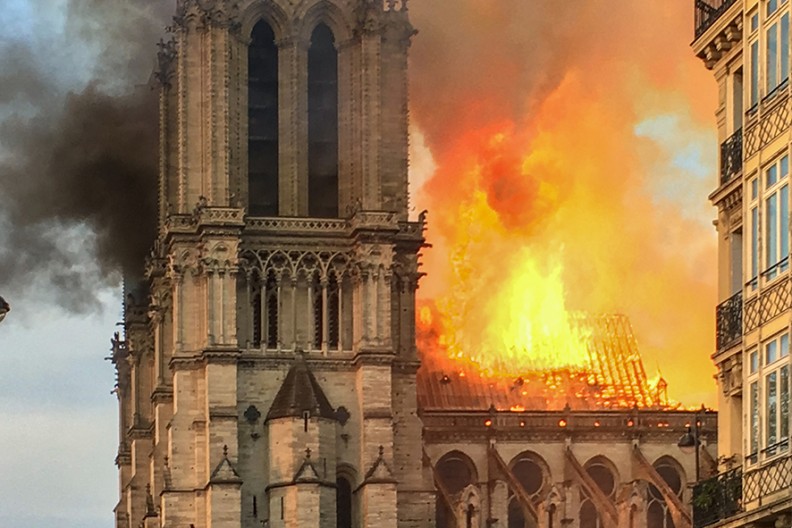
column 267, row 376
column 746, row 45
column 284, row 247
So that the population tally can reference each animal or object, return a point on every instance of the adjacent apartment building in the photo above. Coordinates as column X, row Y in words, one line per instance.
column 746, row 45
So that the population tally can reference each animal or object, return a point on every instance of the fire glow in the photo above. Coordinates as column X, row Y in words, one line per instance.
column 550, row 184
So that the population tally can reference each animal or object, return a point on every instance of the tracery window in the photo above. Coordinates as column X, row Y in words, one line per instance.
column 604, row 478
column 658, row 514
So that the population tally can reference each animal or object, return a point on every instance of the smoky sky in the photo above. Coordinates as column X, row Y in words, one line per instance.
column 78, row 148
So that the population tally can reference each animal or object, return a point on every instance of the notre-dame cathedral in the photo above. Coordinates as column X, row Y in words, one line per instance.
column 268, row 374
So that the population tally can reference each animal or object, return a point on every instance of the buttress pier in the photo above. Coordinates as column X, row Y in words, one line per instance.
column 267, row 372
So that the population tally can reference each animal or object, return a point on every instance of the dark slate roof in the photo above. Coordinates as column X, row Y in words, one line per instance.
column 300, row 392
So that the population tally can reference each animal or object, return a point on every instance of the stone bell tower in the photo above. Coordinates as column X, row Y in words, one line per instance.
column 267, row 375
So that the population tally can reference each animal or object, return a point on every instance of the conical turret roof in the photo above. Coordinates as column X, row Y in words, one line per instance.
column 300, row 392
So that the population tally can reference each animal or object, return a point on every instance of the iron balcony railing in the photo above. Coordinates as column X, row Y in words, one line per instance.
column 707, row 12
column 717, row 498
column 728, row 321
column 731, row 157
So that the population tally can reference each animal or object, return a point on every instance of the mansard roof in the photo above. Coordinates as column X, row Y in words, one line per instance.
column 300, row 392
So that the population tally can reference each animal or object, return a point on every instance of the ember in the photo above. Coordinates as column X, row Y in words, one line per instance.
column 609, row 375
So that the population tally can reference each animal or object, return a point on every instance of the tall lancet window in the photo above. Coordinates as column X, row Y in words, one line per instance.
column 263, row 122
column 322, row 124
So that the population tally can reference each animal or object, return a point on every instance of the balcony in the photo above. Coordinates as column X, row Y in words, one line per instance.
column 717, row 498
column 731, row 157
column 707, row 12
column 766, row 483
column 728, row 322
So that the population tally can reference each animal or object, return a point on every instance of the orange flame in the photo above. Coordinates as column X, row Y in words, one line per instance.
column 548, row 156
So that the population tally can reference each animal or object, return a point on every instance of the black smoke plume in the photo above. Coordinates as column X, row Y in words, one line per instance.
column 78, row 158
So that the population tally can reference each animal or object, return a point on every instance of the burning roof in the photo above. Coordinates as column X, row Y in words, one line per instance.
column 612, row 376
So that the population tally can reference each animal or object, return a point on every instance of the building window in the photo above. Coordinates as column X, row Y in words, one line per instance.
column 776, row 218
column 604, row 478
column 658, row 514
column 343, row 503
column 262, row 122
column 455, row 472
column 754, row 417
column 264, row 295
column 754, row 226
column 516, row 516
column 322, row 124
column 754, row 60
column 776, row 46
column 776, row 394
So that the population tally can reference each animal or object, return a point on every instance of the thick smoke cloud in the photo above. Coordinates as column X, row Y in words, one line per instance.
column 78, row 140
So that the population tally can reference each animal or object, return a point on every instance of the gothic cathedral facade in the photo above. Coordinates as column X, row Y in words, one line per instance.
column 267, row 374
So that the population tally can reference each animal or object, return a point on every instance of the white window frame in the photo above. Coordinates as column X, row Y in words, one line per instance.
column 776, row 24
column 754, row 66
column 754, row 238
column 775, row 190
column 775, row 373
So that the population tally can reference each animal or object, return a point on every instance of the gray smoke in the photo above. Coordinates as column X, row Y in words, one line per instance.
column 78, row 148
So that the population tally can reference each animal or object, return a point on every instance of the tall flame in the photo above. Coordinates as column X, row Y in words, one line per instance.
column 565, row 161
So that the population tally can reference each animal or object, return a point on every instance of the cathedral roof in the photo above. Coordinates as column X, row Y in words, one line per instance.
column 300, row 392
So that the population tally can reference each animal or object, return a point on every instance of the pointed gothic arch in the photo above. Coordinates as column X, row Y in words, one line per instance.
column 263, row 121
column 323, row 123
column 532, row 471
column 311, row 13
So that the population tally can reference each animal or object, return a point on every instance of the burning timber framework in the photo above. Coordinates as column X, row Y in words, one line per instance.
column 613, row 378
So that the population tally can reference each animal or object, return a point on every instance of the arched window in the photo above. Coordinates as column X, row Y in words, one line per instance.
column 528, row 469
column 343, row 502
column 264, row 311
column 262, row 122
column 322, row 124
column 516, row 514
column 455, row 471
column 603, row 475
column 657, row 513
column 589, row 518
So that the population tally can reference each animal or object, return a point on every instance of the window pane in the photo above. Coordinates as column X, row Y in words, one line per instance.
column 754, row 73
column 754, row 22
column 771, row 176
column 754, row 361
column 784, row 166
column 784, row 47
column 772, row 408
column 754, row 188
column 772, row 57
column 784, row 403
column 784, row 345
column 754, row 419
column 771, row 352
column 772, row 6
column 754, row 242
column 783, row 221
column 771, row 208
